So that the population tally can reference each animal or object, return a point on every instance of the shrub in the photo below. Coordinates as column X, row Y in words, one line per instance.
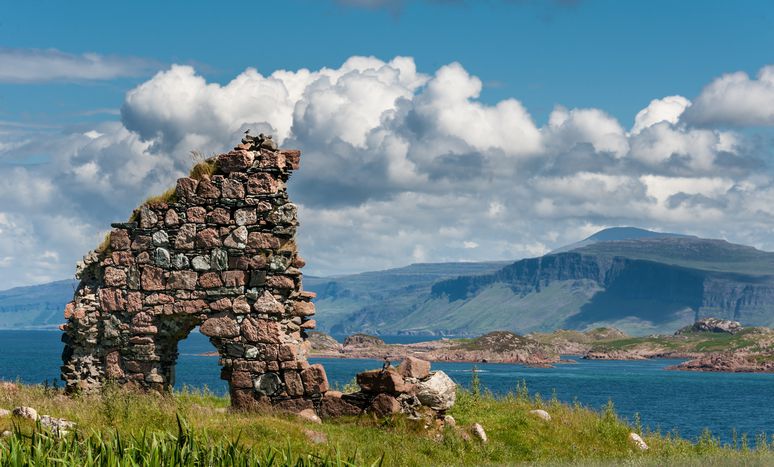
column 205, row 168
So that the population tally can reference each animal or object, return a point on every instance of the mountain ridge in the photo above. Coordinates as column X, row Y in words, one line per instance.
column 617, row 234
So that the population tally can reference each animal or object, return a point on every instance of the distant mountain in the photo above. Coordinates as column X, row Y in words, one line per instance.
column 639, row 281
column 616, row 234
column 35, row 306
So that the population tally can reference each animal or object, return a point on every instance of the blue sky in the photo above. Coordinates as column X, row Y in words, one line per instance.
column 607, row 54
column 432, row 130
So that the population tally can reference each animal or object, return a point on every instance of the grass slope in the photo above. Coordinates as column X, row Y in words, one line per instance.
column 124, row 428
column 381, row 294
column 497, row 307
column 35, row 306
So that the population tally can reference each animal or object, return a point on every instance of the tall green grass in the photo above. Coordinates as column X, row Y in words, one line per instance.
column 185, row 447
column 195, row 427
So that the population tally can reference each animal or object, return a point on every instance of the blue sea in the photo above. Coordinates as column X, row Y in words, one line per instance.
column 685, row 402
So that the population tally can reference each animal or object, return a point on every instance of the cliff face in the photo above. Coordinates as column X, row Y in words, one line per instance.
column 641, row 295
column 746, row 299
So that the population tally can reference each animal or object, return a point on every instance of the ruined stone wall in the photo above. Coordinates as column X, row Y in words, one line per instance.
column 219, row 253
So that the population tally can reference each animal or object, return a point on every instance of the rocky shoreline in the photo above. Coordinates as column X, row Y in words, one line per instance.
column 730, row 362
column 709, row 344
column 497, row 347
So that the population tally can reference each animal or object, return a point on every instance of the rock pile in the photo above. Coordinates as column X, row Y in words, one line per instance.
column 411, row 389
column 218, row 253
column 58, row 426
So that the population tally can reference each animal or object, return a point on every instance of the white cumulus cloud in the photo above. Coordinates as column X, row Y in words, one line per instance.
column 735, row 99
column 667, row 109
column 398, row 166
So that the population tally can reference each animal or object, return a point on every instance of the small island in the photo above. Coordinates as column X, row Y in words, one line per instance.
column 494, row 347
column 709, row 344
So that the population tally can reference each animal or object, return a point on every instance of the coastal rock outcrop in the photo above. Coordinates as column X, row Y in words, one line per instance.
column 218, row 252
column 712, row 325
column 498, row 346
column 362, row 340
column 733, row 362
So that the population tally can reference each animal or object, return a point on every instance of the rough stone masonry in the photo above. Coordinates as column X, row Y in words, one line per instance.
column 218, row 253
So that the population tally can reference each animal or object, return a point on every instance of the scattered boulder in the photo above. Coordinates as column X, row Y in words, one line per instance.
column 5, row 434
column 59, row 426
column 542, row 414
column 413, row 367
column 26, row 412
column 309, row 415
column 478, row 432
column 316, row 437
column 449, row 421
column 438, row 391
column 5, row 413
column 638, row 441
column 384, row 405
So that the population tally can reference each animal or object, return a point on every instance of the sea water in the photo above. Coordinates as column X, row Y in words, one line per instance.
column 685, row 402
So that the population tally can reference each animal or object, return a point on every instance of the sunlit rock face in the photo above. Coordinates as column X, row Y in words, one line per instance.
column 219, row 253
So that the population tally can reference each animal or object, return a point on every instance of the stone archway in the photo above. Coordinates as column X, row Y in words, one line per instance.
column 218, row 252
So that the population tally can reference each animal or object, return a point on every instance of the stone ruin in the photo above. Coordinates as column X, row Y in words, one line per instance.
column 218, row 252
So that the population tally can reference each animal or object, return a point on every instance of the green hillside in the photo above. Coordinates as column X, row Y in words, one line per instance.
column 343, row 299
column 35, row 306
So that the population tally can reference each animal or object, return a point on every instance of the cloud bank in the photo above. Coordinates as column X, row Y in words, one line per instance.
column 398, row 166
column 45, row 65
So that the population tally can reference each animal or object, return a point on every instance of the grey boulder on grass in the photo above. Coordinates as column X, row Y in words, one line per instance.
column 438, row 391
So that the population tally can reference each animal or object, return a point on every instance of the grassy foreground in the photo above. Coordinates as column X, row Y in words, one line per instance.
column 196, row 428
